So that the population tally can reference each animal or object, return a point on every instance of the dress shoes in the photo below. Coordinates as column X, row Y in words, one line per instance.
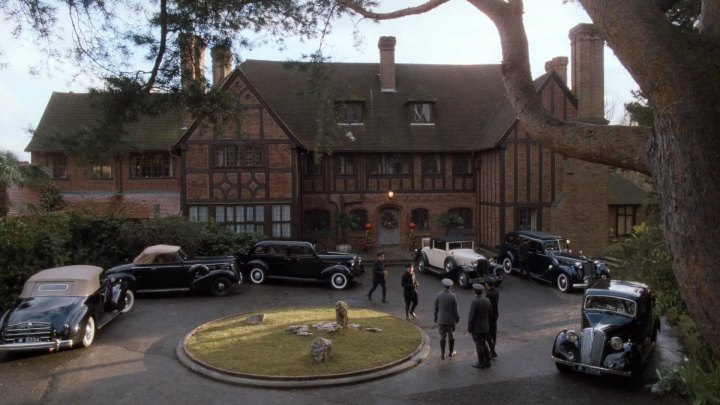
column 478, row 365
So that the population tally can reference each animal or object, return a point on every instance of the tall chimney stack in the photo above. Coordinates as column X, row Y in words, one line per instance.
column 558, row 65
column 588, row 78
column 192, row 60
column 222, row 60
column 387, row 63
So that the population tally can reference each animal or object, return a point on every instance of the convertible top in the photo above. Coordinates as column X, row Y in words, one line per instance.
column 67, row 281
column 148, row 255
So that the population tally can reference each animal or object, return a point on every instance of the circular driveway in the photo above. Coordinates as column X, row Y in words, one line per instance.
column 133, row 359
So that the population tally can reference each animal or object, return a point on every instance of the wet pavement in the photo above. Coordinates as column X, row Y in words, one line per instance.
column 134, row 359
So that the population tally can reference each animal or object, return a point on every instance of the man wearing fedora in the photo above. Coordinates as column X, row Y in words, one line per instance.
column 493, row 295
column 479, row 325
column 446, row 316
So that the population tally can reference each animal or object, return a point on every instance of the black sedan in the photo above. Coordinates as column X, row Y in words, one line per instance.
column 163, row 268
column 63, row 307
column 618, row 333
column 549, row 259
column 301, row 260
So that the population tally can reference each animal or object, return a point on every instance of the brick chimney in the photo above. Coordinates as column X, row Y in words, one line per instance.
column 222, row 60
column 588, row 78
column 192, row 60
column 387, row 63
column 559, row 65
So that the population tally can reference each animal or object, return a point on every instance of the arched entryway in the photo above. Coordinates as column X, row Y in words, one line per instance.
column 389, row 227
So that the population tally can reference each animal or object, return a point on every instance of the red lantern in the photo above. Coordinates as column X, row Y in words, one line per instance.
column 412, row 225
column 368, row 226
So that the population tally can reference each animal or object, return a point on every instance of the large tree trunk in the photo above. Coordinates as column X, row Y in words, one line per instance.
column 680, row 75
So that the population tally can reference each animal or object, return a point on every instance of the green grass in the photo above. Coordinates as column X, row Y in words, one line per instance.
column 270, row 349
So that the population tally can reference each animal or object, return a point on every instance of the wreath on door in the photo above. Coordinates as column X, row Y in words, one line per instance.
column 388, row 220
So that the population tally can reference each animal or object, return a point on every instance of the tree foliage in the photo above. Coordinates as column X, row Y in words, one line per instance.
column 30, row 244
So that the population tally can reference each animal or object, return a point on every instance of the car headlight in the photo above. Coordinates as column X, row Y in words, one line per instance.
column 578, row 265
column 474, row 262
column 616, row 343
column 571, row 336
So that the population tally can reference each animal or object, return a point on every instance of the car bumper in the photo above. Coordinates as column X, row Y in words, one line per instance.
column 52, row 345
column 595, row 370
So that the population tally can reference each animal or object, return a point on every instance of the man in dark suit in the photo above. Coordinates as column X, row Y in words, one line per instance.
column 493, row 295
column 446, row 316
column 379, row 275
column 523, row 257
column 479, row 325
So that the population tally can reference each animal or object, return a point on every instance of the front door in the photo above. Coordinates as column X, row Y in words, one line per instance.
column 389, row 227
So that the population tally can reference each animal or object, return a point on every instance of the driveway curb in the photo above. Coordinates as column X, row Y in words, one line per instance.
column 231, row 377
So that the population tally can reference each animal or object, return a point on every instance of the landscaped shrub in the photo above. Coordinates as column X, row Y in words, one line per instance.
column 645, row 258
column 44, row 240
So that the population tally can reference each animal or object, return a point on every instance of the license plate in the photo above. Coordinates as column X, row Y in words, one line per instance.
column 588, row 370
column 27, row 340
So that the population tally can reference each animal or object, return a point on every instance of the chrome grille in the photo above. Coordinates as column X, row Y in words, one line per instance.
column 589, row 269
column 591, row 350
column 27, row 331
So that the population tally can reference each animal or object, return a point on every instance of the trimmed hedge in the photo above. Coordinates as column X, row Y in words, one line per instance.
column 29, row 244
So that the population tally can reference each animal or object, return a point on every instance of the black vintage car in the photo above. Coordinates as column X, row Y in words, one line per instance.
column 618, row 333
column 164, row 268
column 300, row 260
column 63, row 307
column 550, row 260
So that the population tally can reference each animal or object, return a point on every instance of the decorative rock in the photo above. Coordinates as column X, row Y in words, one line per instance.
column 354, row 326
column 327, row 327
column 255, row 319
column 300, row 330
column 374, row 330
column 320, row 349
column 341, row 313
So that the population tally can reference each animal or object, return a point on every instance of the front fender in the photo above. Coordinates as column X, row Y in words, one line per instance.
column 336, row 268
column 127, row 279
column 564, row 349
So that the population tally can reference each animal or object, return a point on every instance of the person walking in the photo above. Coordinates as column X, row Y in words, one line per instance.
column 410, row 285
column 493, row 295
column 479, row 325
column 446, row 316
column 379, row 276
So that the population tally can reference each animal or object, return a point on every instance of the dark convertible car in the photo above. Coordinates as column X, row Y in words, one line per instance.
column 63, row 307
column 618, row 332
column 162, row 268
column 550, row 259
column 301, row 260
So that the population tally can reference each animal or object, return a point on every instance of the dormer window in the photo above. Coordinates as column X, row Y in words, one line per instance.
column 349, row 112
column 421, row 113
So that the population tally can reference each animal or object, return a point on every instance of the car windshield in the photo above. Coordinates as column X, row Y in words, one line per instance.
column 557, row 244
column 616, row 305
column 320, row 248
column 182, row 255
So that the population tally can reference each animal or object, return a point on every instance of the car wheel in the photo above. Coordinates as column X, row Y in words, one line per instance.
column 507, row 265
column 89, row 335
column 463, row 279
column 563, row 283
column 220, row 287
column 449, row 265
column 339, row 281
column 257, row 275
column 563, row 368
column 421, row 266
column 129, row 301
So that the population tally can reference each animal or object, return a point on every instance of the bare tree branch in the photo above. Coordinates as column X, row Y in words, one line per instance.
column 423, row 8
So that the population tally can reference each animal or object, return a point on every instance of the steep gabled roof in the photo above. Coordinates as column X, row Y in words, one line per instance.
column 68, row 113
column 622, row 191
column 465, row 98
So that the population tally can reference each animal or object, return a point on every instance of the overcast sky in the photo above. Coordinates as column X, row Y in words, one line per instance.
column 455, row 33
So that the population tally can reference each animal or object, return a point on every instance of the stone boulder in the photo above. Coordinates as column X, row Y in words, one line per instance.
column 321, row 349
column 341, row 313
column 255, row 319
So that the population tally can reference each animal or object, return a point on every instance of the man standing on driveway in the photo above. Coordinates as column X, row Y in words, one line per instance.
column 446, row 316
column 379, row 275
column 493, row 295
column 479, row 325
column 524, row 256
